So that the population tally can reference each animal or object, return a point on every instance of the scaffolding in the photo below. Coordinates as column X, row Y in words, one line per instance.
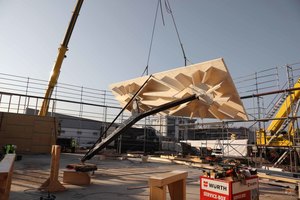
column 270, row 90
column 262, row 94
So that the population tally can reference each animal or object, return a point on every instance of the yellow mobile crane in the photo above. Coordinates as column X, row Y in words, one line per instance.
column 274, row 134
column 59, row 60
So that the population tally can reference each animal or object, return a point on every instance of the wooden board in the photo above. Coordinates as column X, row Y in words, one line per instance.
column 31, row 134
column 278, row 178
column 175, row 181
column 167, row 178
column 76, row 178
column 6, row 171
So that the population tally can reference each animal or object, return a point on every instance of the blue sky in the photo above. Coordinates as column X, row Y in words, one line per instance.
column 111, row 39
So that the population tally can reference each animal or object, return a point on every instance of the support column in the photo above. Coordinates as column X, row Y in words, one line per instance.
column 52, row 184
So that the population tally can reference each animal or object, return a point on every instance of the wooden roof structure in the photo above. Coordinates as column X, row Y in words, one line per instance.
column 210, row 81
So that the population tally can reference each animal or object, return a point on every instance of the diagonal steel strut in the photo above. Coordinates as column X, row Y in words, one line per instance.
column 101, row 144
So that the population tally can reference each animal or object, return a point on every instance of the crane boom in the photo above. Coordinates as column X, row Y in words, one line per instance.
column 285, row 109
column 59, row 60
column 270, row 136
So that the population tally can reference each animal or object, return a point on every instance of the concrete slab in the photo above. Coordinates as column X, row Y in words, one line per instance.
column 114, row 179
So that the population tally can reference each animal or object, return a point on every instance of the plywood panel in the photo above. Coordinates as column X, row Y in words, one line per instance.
column 21, row 119
column 18, row 131
column 41, row 139
column 41, row 149
column 31, row 134
column 43, row 126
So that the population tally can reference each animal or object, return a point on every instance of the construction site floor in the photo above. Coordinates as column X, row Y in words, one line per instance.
column 115, row 179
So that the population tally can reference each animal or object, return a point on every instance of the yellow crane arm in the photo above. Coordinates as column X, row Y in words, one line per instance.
column 59, row 60
column 285, row 109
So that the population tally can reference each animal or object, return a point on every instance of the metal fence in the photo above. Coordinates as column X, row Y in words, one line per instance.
column 18, row 94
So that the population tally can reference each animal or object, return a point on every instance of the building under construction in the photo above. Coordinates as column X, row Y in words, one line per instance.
column 150, row 133
column 258, row 140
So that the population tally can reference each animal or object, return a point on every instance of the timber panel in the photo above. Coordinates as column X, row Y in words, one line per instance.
column 210, row 81
column 31, row 134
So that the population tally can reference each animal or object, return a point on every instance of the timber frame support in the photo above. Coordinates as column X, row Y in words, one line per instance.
column 52, row 184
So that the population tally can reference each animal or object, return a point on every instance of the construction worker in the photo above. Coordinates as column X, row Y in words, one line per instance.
column 9, row 148
column 73, row 145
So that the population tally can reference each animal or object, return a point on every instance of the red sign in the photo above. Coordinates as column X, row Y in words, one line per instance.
column 216, row 189
column 209, row 195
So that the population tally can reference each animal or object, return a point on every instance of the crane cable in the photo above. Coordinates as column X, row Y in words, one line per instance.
column 151, row 42
column 169, row 10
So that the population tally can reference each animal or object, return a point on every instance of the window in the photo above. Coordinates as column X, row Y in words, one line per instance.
column 79, row 132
